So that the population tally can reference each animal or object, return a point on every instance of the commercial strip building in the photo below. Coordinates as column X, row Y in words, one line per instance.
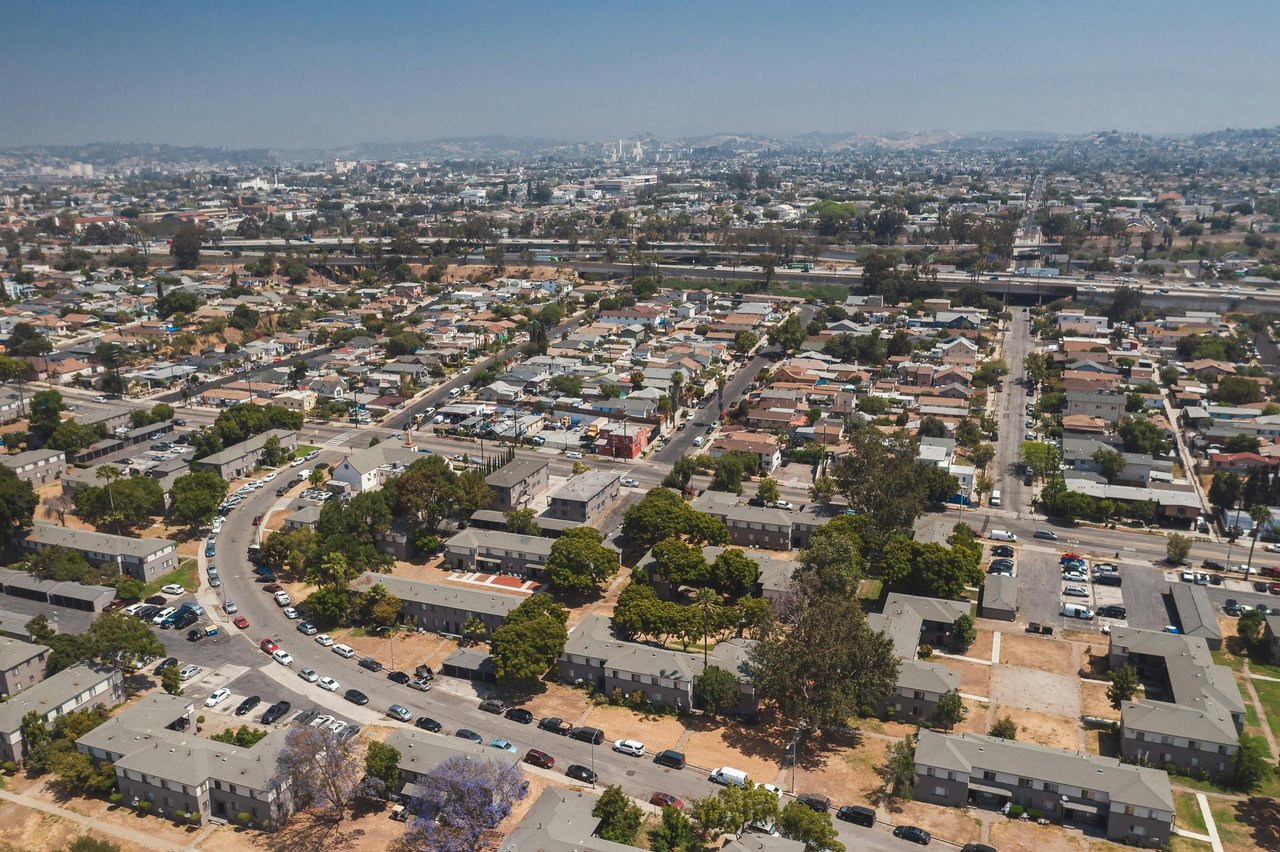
column 1132, row 804
column 141, row 558
column 160, row 759
column 74, row 688
column 1191, row 714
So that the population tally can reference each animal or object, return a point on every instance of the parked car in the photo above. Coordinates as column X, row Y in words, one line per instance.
column 493, row 705
column 857, row 815
column 1076, row 592
column 468, row 734
column 309, row 675
column 519, row 714
column 276, row 711
column 248, row 704
column 665, row 800
column 395, row 711
column 1112, row 611
column 370, row 663
column 1233, row 607
column 283, row 657
column 398, row 677
column 268, row 645
column 1002, row 550
column 555, row 725
column 1047, row 535
column 426, row 723
column 535, row 757
column 306, row 628
column 173, row 589
column 580, row 773
column 671, row 758
column 189, row 672
column 913, row 833
column 816, row 801
column 241, row 622
column 503, row 745
column 635, row 748
column 328, row 683
column 217, row 697
column 355, row 696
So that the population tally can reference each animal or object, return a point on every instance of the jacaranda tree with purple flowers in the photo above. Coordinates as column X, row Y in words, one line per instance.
column 464, row 800
column 321, row 769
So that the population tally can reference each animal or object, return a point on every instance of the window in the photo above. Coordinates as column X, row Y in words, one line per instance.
column 1026, row 782
column 939, row 791
column 988, row 775
column 1050, row 788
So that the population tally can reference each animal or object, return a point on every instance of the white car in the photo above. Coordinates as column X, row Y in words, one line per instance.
column 309, row 675
column 173, row 589
column 344, row 651
column 698, row 441
column 329, row 684
column 163, row 614
column 132, row 609
column 337, row 726
column 283, row 600
column 631, row 483
column 270, row 476
column 217, row 697
column 573, row 455
column 635, row 748
column 1074, row 577
column 324, row 640
column 783, row 504
column 290, row 612
column 230, row 608
column 1272, row 548
column 773, row 788
column 298, row 461
column 321, row 721
column 282, row 657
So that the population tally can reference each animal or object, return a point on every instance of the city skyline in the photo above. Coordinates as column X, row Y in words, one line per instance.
column 294, row 76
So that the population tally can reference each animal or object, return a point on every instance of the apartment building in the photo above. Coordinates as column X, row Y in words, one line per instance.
column 442, row 609
column 141, row 558
column 910, row 621
column 39, row 467
column 159, row 758
column 1132, row 804
column 74, row 688
column 497, row 552
column 1107, row 406
column 1191, row 712
column 585, row 497
column 370, row 468
column 245, row 457
column 517, row 482
column 21, row 664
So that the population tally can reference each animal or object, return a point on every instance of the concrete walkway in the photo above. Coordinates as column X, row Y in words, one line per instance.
column 1209, row 824
column 139, row 838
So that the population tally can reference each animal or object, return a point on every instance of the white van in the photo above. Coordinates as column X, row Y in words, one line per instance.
column 995, row 498
column 455, row 392
column 343, row 651
column 1071, row 610
column 1001, row 535
column 727, row 775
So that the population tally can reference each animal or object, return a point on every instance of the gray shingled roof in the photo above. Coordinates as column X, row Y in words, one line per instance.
column 584, row 486
column 465, row 600
column 52, row 692
column 515, row 471
column 472, row 539
column 15, row 652
column 86, row 540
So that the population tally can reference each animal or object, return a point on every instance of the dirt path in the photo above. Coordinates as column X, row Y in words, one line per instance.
column 1257, row 705
column 141, row 838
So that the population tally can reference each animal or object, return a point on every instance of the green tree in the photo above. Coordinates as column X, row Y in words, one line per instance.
column 530, row 640
column 789, row 334
column 734, row 573
column 580, row 560
column 745, row 341
column 899, row 770
column 185, row 246
column 171, row 680
column 1249, row 627
column 1237, row 390
column 25, row 341
column 1177, row 547
column 674, row 834
column 800, row 822
column 768, row 490
column 194, row 497
column 823, row 490
column 949, row 711
column 1110, row 463
column 329, row 606
column 38, row 742
column 1004, row 728
column 523, row 522
column 1124, row 685
column 827, row 666
column 382, row 762
column 18, row 502
column 963, row 633
column 717, row 690
column 929, row 569
column 1253, row 764
column 474, row 629
column 1040, row 458
column 85, row 843
column 661, row 514
column 1261, row 517
column 619, row 818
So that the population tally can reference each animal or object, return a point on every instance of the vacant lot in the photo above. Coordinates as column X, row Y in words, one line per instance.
column 656, row 732
column 25, row 829
column 757, row 750
column 1094, row 701
column 1018, row 836
column 1050, row 655
column 953, row 825
column 1042, row 728
column 1032, row 689
column 975, row 679
column 844, row 768
column 1252, row 823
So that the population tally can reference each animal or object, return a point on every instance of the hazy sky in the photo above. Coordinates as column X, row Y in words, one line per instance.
column 282, row 74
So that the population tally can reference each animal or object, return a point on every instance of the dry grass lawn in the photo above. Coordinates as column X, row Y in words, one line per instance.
column 975, row 722
column 953, row 825
column 1094, row 701
column 656, row 732
column 1051, row 655
column 558, row 700
column 842, row 767
column 975, row 679
column 1033, row 727
column 43, row 825
column 24, row 829
column 981, row 647
column 1019, row 836
column 757, row 750
column 411, row 648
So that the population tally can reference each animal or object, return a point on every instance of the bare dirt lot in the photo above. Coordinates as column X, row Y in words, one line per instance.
column 981, row 647
column 842, row 767
column 1032, row 689
column 1042, row 728
column 951, row 824
column 24, row 829
column 656, row 732
column 975, row 679
column 1050, row 655
column 1018, row 836
column 757, row 750
column 1094, row 701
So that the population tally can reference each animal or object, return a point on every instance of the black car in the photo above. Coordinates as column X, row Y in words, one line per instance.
column 355, row 696
column 580, row 773
column 977, row 847
column 857, row 815
column 555, row 725
column 1002, row 563
column 816, row 801
column 1112, row 611
column 1213, row 565
column 426, row 723
column 1231, row 607
column 671, row 758
column 1002, row 550
column 371, row 664
column 519, row 714
column 305, row 716
column 468, row 734
column 397, row 677
column 912, row 833
column 493, row 706
column 164, row 664
column 276, row 711
column 756, row 501
column 248, row 704
column 148, row 612
column 157, row 600
column 263, row 569
column 195, row 634
column 187, row 619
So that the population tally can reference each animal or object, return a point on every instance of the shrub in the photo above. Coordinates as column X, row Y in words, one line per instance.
column 925, row 652
column 1015, row 811
column 243, row 818
column 144, row 806
column 115, row 798
column 9, row 767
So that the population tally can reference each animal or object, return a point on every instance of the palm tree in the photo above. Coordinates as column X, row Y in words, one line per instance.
column 1261, row 522
column 677, row 387
column 708, row 600
column 110, row 473
column 721, row 381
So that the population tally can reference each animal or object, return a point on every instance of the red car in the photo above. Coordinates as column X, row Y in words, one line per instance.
column 1275, row 588
column 268, row 646
column 539, row 758
column 273, row 588
column 1269, row 571
column 241, row 622
column 665, row 800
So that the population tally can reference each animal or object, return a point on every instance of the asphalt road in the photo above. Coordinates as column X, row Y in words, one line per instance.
column 1011, row 414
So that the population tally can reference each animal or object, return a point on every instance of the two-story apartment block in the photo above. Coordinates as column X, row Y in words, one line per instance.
column 442, row 609
column 595, row 655
column 623, row 440
column 21, row 665
column 585, row 496
column 1107, row 406
column 909, row 621
column 39, row 467
column 245, row 457
column 497, row 552
column 1078, row 322
column 517, row 482
column 1191, row 713
column 370, row 468
column 767, row 448
column 159, row 758
column 141, row 558
column 1132, row 804
column 74, row 688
